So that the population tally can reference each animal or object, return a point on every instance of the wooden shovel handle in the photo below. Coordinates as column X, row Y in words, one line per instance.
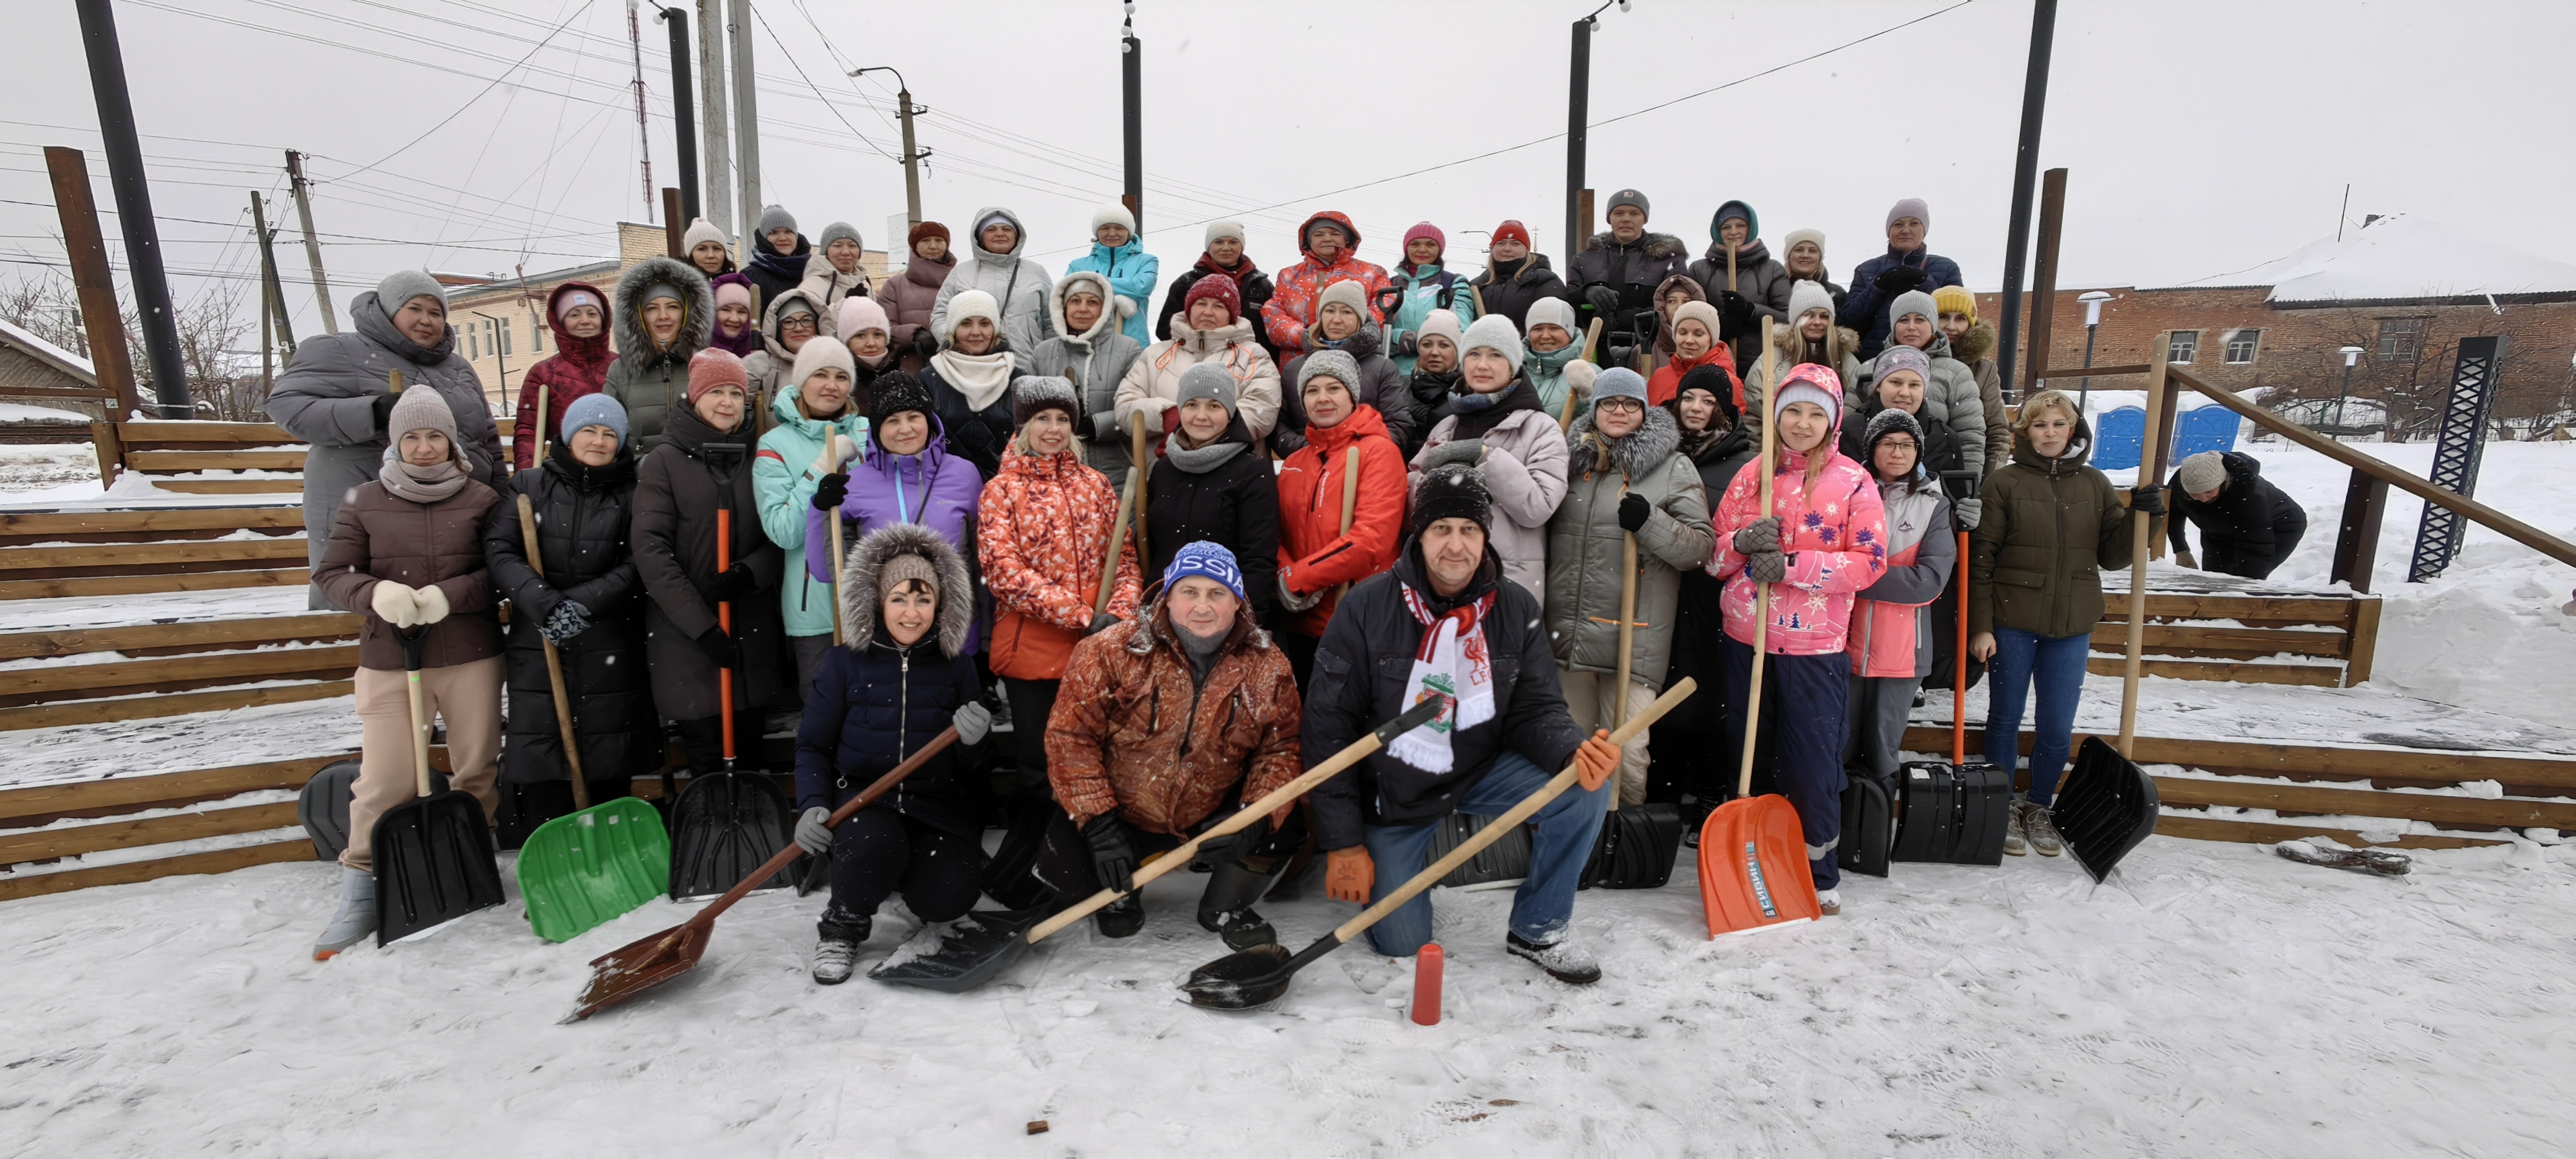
column 1140, row 454
column 832, row 521
column 1627, row 633
column 1494, row 830
column 1350, row 501
column 2150, row 467
column 1591, row 354
column 554, row 663
column 1130, row 500
column 1761, row 591
column 850, row 808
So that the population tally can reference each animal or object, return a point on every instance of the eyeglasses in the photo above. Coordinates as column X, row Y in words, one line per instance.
column 1906, row 445
column 796, row 322
column 1620, row 404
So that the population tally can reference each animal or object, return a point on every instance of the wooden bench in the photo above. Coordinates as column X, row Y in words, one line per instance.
column 69, row 554
column 173, row 448
column 2238, row 630
column 178, row 668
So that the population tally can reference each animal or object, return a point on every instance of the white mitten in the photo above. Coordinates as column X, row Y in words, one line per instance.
column 393, row 603
column 432, row 602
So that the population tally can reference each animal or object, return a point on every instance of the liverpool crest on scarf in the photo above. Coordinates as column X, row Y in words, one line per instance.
column 1453, row 664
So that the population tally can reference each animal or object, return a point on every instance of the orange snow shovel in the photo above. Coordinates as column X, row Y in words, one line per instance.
column 648, row 962
column 1752, row 853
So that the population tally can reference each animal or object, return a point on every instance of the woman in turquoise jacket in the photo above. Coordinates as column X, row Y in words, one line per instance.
column 1422, row 283
column 811, row 407
column 1131, row 271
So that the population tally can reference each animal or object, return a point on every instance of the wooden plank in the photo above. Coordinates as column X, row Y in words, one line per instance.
column 141, row 555
column 170, row 674
column 215, row 460
column 2365, row 641
column 17, row 886
column 29, row 806
column 143, row 523
column 231, row 486
column 2285, row 759
column 195, row 431
column 2440, row 810
column 200, row 634
column 2254, row 832
column 2191, row 639
column 2326, row 611
column 74, row 840
column 127, row 585
column 175, row 704
column 2226, row 671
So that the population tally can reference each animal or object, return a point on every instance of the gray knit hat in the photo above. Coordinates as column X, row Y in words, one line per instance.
column 1218, row 229
column 1885, row 423
column 421, row 410
column 1031, row 393
column 402, row 286
column 775, row 217
column 1211, row 381
column 1618, row 382
column 1912, row 207
column 2205, row 471
column 1628, row 197
column 837, row 231
column 1899, row 356
column 1805, row 295
column 1913, row 302
column 1495, row 332
column 1333, row 364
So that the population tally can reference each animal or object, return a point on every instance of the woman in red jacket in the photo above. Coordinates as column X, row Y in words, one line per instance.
column 1316, row 556
column 578, row 314
column 1695, row 345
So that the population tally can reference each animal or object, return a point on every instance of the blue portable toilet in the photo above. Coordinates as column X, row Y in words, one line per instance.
column 2119, row 438
column 2208, row 428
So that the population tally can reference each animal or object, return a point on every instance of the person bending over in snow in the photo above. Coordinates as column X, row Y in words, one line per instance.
column 1166, row 724
column 2247, row 526
column 906, row 606
column 1448, row 619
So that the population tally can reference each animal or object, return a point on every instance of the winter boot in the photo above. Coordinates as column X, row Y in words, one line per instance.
column 836, row 954
column 357, row 916
column 1120, row 918
column 2041, row 827
column 1226, row 907
column 1562, row 959
column 1830, row 901
column 2016, row 838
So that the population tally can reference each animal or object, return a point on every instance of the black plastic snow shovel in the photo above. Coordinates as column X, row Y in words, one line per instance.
column 433, row 853
column 2109, row 804
column 1259, row 976
column 983, row 943
column 726, row 823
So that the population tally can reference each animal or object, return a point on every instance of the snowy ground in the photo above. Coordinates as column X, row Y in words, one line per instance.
column 2212, row 999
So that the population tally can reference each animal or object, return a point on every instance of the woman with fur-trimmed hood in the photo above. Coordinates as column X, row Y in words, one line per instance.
column 996, row 262
column 1094, row 348
column 904, row 677
column 1625, row 475
column 1973, row 342
column 665, row 313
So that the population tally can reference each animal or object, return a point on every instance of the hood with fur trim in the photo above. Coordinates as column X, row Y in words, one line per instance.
column 1840, row 342
column 1690, row 288
column 1645, row 451
column 1113, row 308
column 824, row 323
column 1977, row 343
column 974, row 241
column 859, row 597
column 697, row 298
column 1659, row 246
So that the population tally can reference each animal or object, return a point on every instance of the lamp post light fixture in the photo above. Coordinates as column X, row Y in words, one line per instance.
column 2351, row 355
column 2092, row 300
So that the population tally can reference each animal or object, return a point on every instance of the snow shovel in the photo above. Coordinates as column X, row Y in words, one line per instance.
column 649, row 961
column 597, row 862
column 433, row 853
column 1753, row 871
column 725, row 823
column 2110, row 804
column 1259, row 976
column 1350, row 504
column 1637, row 845
column 984, row 943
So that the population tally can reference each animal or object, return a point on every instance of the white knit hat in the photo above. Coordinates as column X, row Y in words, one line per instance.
column 973, row 304
column 1218, row 229
column 1112, row 214
column 1550, row 312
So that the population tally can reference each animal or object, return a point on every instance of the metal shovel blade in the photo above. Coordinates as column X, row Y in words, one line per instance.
column 970, row 952
column 1243, row 980
column 434, row 864
column 641, row 965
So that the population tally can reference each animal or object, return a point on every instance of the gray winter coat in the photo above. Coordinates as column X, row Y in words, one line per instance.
column 1524, row 468
column 651, row 383
column 1585, row 545
column 1951, row 399
column 327, row 397
column 1096, row 360
column 1018, row 285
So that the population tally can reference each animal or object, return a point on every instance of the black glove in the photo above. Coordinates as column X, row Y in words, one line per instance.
column 1085, row 429
column 1233, row 847
column 1735, row 307
column 1633, row 510
column 1408, row 344
column 2148, row 499
column 1603, row 299
column 923, row 343
column 720, row 648
column 1100, row 622
column 1766, row 567
column 1113, row 856
column 831, row 491
column 384, row 404
column 1899, row 280
column 736, row 581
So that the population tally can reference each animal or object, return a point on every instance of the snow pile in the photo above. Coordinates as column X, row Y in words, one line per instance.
column 19, row 412
column 2402, row 257
column 28, row 469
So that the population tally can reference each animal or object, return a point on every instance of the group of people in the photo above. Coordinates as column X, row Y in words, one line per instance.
column 1359, row 489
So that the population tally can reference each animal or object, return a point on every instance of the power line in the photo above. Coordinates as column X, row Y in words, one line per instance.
column 469, row 101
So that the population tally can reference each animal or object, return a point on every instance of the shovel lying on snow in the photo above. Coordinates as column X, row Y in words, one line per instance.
column 1258, row 977
column 433, row 853
column 647, row 962
column 981, row 945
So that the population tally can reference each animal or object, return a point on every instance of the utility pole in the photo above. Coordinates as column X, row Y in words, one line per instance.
column 746, row 136
column 684, row 119
column 718, row 186
column 134, row 209
column 312, row 247
column 101, row 322
column 1131, row 52
column 643, row 127
column 272, row 293
column 2034, row 100
column 912, row 157
column 1578, row 110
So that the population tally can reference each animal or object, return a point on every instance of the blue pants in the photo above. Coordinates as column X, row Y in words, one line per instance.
column 1544, row 905
column 1803, row 706
column 2058, row 664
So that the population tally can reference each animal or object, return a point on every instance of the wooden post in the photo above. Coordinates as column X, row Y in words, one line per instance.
column 2361, row 643
column 2151, row 469
column 111, row 451
column 2356, row 553
column 108, row 357
column 674, row 226
column 1583, row 216
column 2162, row 413
column 2043, row 293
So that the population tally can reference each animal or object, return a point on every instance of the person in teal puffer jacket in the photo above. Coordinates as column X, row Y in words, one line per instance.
column 811, row 406
column 1554, row 362
column 1119, row 255
column 1422, row 284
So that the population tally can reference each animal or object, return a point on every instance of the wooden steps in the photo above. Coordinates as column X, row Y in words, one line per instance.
column 2202, row 626
column 196, row 450
column 78, row 554
column 25, row 808
column 20, row 528
column 176, row 668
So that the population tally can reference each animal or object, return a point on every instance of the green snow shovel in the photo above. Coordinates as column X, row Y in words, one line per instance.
column 598, row 862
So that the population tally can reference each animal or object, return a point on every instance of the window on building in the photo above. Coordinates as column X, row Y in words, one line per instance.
column 473, row 347
column 2242, row 345
column 536, row 336
column 2182, row 347
column 2398, row 338
column 505, row 336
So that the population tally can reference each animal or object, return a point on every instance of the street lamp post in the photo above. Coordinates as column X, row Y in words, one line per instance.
column 2092, row 300
column 2351, row 355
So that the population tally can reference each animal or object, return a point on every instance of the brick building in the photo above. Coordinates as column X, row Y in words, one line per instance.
column 2405, row 290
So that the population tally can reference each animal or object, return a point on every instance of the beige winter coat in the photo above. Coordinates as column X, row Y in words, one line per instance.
column 1524, row 467
column 1152, row 384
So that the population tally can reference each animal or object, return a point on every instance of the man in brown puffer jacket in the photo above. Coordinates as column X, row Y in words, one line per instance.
column 1158, row 721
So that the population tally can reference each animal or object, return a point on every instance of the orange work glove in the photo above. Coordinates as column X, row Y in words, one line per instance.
column 1596, row 760
column 1349, row 875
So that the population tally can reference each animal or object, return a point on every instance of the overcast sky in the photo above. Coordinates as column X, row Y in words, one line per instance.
column 2202, row 137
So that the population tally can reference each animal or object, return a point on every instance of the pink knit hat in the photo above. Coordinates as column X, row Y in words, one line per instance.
column 733, row 293
column 711, row 368
column 862, row 314
column 1426, row 229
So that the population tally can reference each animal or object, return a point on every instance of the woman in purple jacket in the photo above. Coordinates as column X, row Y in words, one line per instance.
column 904, row 475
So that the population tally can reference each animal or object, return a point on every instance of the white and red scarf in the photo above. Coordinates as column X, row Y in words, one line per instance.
column 1455, row 665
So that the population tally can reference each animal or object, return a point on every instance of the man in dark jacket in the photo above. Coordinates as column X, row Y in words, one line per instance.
column 1447, row 618
column 2247, row 526
column 1908, row 264
column 1615, row 276
column 1223, row 255
column 1514, row 277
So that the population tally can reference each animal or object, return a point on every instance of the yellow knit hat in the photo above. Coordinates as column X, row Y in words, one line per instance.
column 1955, row 300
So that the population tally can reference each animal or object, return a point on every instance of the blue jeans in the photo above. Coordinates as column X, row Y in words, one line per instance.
column 1803, row 715
column 2058, row 664
column 1544, row 905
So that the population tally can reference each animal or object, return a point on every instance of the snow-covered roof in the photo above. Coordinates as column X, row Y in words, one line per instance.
column 63, row 360
column 2402, row 257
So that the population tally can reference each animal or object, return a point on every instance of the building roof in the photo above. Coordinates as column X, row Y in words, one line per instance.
column 2401, row 258
column 510, row 286
column 48, row 353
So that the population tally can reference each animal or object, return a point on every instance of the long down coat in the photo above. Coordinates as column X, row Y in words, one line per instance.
column 583, row 518
column 1586, row 545
column 677, row 494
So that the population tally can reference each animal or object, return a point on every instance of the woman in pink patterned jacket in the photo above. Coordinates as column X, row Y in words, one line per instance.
column 1825, row 541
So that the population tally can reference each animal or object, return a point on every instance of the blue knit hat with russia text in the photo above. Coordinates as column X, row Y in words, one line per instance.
column 1210, row 560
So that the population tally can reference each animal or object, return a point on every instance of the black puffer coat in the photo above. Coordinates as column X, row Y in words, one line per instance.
column 1510, row 292
column 1699, row 624
column 1253, row 285
column 976, row 436
column 582, row 520
column 674, row 533
column 1235, row 504
column 1633, row 268
column 2248, row 530
column 877, row 702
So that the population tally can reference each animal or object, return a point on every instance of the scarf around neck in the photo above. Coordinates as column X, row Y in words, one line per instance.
column 1454, row 664
column 1202, row 459
column 980, row 377
column 430, row 484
